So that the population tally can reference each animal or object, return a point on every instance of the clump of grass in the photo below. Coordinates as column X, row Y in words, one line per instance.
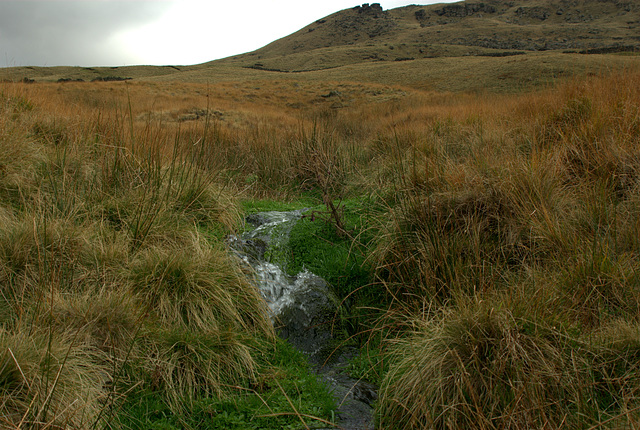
column 204, row 319
column 106, row 319
column 479, row 366
column 189, row 364
column 614, row 364
column 47, row 381
column 198, row 286
column 601, row 286
column 434, row 243
column 36, row 249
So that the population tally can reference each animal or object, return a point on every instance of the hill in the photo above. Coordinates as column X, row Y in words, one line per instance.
column 368, row 33
column 495, row 45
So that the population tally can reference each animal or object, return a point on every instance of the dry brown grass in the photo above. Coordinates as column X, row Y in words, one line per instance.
column 528, row 202
column 87, row 193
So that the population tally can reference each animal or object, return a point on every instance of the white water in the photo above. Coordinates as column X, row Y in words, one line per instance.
column 274, row 284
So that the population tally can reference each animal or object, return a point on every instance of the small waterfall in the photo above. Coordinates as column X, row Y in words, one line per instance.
column 256, row 247
column 303, row 309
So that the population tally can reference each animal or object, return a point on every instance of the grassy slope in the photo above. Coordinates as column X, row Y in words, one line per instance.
column 369, row 35
column 507, row 74
column 445, row 43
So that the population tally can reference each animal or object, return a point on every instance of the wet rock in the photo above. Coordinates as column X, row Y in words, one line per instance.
column 354, row 397
column 306, row 321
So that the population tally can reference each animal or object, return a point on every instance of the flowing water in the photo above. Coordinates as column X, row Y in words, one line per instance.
column 303, row 308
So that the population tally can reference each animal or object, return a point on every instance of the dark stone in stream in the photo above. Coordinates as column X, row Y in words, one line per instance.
column 354, row 397
column 252, row 248
column 307, row 321
column 256, row 220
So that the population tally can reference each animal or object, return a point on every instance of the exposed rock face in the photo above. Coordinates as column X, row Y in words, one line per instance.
column 538, row 13
column 458, row 10
column 368, row 19
column 375, row 10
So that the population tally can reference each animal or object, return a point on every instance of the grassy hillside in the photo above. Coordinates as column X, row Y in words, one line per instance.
column 369, row 34
column 467, row 46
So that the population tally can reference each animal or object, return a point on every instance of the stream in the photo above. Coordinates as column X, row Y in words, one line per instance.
column 303, row 308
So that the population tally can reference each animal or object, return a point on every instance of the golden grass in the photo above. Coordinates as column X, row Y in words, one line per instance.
column 481, row 367
column 104, row 267
column 48, row 382
column 508, row 220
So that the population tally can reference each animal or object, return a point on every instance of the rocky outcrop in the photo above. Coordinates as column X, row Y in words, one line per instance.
column 370, row 20
column 538, row 13
column 374, row 10
column 458, row 10
column 369, row 33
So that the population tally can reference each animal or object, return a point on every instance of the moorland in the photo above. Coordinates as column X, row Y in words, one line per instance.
column 476, row 168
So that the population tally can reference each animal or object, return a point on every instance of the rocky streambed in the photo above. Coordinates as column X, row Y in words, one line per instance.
column 303, row 309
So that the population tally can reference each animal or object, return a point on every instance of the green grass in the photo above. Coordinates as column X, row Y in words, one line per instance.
column 285, row 391
column 316, row 245
column 267, row 205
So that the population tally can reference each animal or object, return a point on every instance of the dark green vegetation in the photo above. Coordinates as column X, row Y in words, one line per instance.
column 286, row 390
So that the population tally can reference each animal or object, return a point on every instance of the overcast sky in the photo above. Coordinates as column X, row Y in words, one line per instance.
column 154, row 32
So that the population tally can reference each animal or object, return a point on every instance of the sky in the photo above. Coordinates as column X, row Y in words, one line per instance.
column 152, row 32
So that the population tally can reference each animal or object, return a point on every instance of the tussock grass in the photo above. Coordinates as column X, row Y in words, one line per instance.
column 480, row 366
column 107, row 280
column 198, row 287
column 107, row 320
column 188, row 364
column 520, row 252
column 48, row 381
column 502, row 232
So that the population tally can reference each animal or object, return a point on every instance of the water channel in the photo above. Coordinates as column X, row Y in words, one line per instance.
column 303, row 308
